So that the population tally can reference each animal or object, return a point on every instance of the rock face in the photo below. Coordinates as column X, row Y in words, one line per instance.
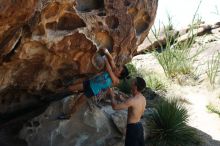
column 43, row 43
column 88, row 126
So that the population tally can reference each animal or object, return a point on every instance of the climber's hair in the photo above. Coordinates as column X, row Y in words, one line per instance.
column 140, row 83
column 124, row 74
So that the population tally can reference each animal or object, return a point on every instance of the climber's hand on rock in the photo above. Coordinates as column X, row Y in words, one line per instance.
column 105, row 51
column 109, row 58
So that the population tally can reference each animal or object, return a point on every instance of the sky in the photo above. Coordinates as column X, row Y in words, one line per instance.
column 182, row 11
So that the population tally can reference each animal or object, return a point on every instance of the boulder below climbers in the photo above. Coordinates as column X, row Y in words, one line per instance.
column 120, row 120
column 86, row 127
column 89, row 125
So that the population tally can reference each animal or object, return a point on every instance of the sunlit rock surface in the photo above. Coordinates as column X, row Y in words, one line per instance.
column 45, row 43
column 88, row 125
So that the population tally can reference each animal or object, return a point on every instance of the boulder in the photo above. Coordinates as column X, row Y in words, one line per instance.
column 86, row 126
column 120, row 120
column 44, row 43
column 86, row 122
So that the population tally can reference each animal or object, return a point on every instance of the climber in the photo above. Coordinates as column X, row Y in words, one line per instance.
column 136, row 106
column 102, row 81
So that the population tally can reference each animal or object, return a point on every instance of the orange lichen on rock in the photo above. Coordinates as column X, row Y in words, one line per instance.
column 43, row 42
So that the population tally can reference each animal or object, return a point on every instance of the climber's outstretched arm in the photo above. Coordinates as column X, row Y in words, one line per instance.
column 115, row 79
column 110, row 58
column 76, row 87
column 119, row 106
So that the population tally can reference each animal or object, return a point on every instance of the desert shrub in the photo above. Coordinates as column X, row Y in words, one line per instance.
column 168, row 125
column 175, row 57
column 212, row 108
column 213, row 68
column 133, row 72
column 174, row 61
column 125, row 84
column 155, row 83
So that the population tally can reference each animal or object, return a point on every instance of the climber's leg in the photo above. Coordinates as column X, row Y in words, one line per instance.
column 81, row 80
column 74, row 108
column 76, row 87
column 78, row 103
column 85, row 87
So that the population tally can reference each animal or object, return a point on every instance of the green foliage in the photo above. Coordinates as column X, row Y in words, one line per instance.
column 154, row 83
column 175, row 57
column 213, row 109
column 132, row 70
column 174, row 61
column 125, row 84
column 213, row 68
column 168, row 125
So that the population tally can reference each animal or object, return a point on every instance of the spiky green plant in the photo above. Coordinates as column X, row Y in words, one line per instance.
column 168, row 125
column 213, row 68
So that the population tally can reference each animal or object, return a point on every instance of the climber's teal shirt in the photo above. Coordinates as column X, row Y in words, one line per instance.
column 100, row 83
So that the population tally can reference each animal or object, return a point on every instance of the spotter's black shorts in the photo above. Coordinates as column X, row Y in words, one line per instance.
column 134, row 135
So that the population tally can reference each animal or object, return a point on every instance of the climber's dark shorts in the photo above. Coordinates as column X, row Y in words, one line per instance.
column 87, row 89
column 134, row 135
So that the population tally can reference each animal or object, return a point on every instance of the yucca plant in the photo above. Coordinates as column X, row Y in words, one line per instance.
column 168, row 125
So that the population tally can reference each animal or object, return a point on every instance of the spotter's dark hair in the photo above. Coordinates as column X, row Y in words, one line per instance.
column 140, row 83
column 124, row 74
